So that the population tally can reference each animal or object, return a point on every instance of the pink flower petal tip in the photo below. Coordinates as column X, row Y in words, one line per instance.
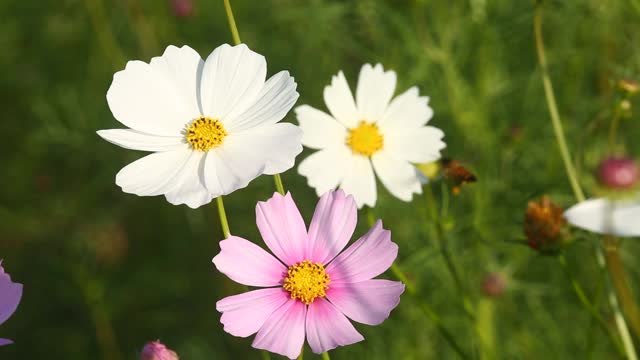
column 155, row 350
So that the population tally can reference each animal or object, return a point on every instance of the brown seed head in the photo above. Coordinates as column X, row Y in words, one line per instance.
column 544, row 225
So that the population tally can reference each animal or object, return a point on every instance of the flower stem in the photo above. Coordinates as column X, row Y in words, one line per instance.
column 222, row 214
column 620, row 284
column 232, row 23
column 278, row 181
column 444, row 250
column 588, row 305
column 571, row 173
column 613, row 129
column 325, row 356
column 426, row 308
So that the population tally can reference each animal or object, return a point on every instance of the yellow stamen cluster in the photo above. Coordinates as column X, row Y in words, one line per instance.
column 306, row 281
column 365, row 139
column 205, row 133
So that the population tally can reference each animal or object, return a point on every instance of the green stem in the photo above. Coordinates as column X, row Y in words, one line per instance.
column 108, row 42
column 588, row 305
column 232, row 23
column 613, row 128
column 411, row 290
column 444, row 250
column 571, row 173
column 278, row 180
column 325, row 356
column 620, row 283
column 553, row 107
column 222, row 214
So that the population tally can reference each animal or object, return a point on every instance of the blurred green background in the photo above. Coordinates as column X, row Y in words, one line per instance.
column 105, row 272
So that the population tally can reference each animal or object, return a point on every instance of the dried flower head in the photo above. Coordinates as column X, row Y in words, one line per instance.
column 544, row 226
column 457, row 173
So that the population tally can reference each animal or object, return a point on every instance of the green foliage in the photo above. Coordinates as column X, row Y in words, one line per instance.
column 105, row 271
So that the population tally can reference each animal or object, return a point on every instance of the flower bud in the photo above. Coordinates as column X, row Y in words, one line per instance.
column 155, row 350
column 182, row 8
column 494, row 284
column 629, row 86
column 619, row 173
column 545, row 226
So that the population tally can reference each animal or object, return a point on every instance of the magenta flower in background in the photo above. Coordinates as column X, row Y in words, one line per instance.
column 310, row 288
column 155, row 350
column 10, row 295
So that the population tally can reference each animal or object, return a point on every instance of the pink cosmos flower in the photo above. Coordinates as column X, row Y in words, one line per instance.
column 310, row 288
column 10, row 294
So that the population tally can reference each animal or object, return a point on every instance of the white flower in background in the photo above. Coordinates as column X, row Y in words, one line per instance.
column 212, row 125
column 372, row 133
column 604, row 216
column 618, row 217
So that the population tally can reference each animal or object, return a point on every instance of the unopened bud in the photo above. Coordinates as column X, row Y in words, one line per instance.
column 619, row 173
column 545, row 226
column 629, row 86
column 182, row 8
column 494, row 284
column 155, row 350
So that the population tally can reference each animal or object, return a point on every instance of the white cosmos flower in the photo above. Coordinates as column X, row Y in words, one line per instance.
column 212, row 125
column 604, row 216
column 372, row 133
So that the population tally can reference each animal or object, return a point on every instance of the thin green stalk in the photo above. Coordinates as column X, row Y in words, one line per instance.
column 613, row 128
column 278, row 180
column 444, row 250
column 411, row 290
column 325, row 356
column 222, row 214
column 571, row 173
column 108, row 42
column 232, row 23
column 588, row 305
column 620, row 284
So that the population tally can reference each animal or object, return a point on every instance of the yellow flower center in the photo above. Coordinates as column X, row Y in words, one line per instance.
column 205, row 133
column 306, row 281
column 365, row 139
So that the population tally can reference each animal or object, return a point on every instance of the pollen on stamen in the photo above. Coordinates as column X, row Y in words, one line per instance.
column 365, row 139
column 306, row 281
column 204, row 133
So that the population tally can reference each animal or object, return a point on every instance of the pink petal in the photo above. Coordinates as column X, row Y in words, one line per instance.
column 5, row 342
column 365, row 259
column 282, row 228
column 243, row 315
column 368, row 302
column 283, row 332
column 332, row 225
column 10, row 295
column 246, row 263
column 328, row 328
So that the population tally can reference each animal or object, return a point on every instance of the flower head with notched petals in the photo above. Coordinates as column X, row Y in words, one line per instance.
column 310, row 288
column 372, row 133
column 212, row 125
column 10, row 295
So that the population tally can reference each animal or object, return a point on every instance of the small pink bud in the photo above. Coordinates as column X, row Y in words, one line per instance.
column 619, row 173
column 155, row 350
column 493, row 284
column 182, row 8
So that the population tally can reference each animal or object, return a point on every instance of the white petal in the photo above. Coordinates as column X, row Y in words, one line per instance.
column 606, row 217
column 232, row 78
column 408, row 109
column 277, row 97
column 360, row 181
column 340, row 102
column 188, row 185
column 325, row 169
column 157, row 98
column 270, row 149
column 135, row 140
column 397, row 175
column 152, row 174
column 416, row 145
column 319, row 129
column 375, row 89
